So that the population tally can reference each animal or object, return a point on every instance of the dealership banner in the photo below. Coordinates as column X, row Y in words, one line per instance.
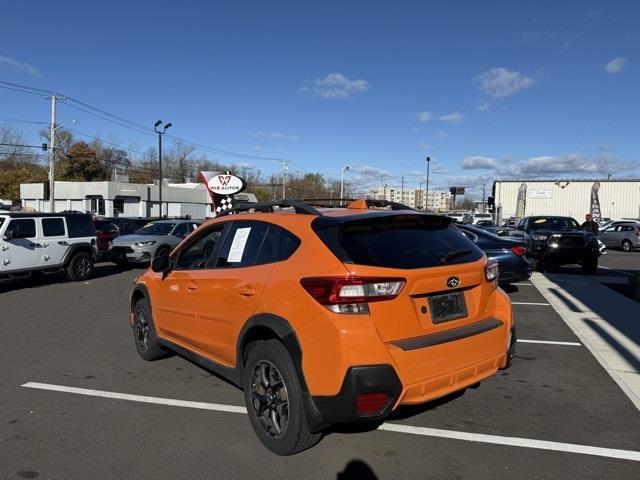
column 595, row 202
column 522, row 202
column 222, row 187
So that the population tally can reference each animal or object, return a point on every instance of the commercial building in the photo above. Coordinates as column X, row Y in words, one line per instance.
column 121, row 199
column 438, row 201
column 618, row 198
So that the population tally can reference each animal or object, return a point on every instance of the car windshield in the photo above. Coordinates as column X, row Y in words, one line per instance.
column 553, row 223
column 156, row 228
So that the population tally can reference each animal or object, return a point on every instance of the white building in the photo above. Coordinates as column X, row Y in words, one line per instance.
column 118, row 199
column 618, row 198
column 438, row 201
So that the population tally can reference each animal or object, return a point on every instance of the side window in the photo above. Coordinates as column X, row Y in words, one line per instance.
column 181, row 230
column 80, row 226
column 53, row 227
column 242, row 244
column 199, row 253
column 278, row 245
column 22, row 228
column 627, row 228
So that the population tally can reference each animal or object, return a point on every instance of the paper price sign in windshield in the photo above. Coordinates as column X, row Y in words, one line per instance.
column 237, row 246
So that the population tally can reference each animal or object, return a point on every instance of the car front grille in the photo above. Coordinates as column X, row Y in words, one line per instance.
column 568, row 241
column 121, row 250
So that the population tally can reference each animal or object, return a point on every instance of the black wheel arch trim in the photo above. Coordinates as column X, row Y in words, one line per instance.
column 74, row 248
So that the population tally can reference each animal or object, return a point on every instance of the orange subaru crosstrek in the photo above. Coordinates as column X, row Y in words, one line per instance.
column 327, row 316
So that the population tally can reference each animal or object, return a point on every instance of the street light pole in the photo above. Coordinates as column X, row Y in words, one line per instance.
column 160, row 133
column 426, row 200
column 344, row 169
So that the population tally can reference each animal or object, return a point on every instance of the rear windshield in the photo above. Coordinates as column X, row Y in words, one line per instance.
column 400, row 241
column 105, row 225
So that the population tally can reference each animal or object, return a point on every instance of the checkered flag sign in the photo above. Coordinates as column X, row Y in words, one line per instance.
column 224, row 204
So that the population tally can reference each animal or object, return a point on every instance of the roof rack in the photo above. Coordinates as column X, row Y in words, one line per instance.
column 345, row 202
column 269, row 207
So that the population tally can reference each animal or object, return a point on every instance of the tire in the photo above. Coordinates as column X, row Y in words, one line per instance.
column 80, row 267
column 627, row 246
column 273, row 397
column 144, row 333
column 511, row 349
column 590, row 266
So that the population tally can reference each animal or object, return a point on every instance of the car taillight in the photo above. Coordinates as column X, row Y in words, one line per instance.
column 491, row 271
column 371, row 403
column 351, row 294
column 519, row 250
column 637, row 231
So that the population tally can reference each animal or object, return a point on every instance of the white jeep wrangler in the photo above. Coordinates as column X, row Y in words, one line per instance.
column 32, row 243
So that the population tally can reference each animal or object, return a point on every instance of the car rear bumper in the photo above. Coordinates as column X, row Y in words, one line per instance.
column 409, row 379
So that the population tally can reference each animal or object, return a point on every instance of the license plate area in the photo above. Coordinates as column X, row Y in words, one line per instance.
column 447, row 306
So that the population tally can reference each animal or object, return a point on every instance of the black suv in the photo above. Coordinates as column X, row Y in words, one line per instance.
column 560, row 241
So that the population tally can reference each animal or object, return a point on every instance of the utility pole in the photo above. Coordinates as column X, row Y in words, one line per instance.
column 344, row 169
column 402, row 189
column 284, row 179
column 419, row 203
column 484, row 185
column 426, row 200
column 52, row 156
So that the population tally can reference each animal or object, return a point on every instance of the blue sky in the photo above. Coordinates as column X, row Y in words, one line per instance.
column 487, row 89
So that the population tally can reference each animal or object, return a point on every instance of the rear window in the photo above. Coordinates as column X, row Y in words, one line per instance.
column 80, row 226
column 400, row 241
column 105, row 225
column 53, row 227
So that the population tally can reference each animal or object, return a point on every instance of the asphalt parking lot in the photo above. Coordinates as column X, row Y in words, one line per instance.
column 556, row 413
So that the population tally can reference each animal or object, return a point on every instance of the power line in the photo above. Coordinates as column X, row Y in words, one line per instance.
column 16, row 120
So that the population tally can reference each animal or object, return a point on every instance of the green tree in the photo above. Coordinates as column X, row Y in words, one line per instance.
column 81, row 163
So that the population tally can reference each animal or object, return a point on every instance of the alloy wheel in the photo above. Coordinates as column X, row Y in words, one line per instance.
column 142, row 330
column 269, row 398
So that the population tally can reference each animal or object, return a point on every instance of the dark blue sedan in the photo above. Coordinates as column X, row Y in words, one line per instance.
column 510, row 253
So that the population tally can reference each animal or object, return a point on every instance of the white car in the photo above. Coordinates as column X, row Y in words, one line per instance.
column 31, row 243
column 482, row 216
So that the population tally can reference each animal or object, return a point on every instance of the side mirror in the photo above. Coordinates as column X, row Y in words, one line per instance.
column 8, row 235
column 161, row 264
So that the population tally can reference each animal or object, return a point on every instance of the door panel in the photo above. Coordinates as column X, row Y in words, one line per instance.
column 24, row 250
column 225, row 299
column 54, row 241
column 173, row 309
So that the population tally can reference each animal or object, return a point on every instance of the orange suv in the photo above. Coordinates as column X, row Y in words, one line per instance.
column 327, row 316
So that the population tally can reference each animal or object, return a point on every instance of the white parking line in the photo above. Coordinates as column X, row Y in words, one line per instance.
column 550, row 342
column 389, row 427
column 531, row 303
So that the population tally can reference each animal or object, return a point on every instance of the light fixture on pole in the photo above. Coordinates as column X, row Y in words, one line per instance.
column 160, row 133
column 426, row 200
column 344, row 169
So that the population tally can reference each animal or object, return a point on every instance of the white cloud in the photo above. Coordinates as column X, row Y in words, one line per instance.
column 424, row 146
column 423, row 117
column 483, row 107
column 572, row 165
column 334, row 86
column 23, row 67
column 616, row 65
column 276, row 136
column 499, row 82
column 257, row 148
column 478, row 163
column 454, row 117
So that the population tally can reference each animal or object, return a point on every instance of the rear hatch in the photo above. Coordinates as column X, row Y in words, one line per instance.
column 444, row 272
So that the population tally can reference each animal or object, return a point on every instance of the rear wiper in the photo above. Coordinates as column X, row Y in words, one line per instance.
column 453, row 255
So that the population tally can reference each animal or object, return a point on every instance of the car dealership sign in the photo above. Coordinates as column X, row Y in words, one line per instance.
column 221, row 188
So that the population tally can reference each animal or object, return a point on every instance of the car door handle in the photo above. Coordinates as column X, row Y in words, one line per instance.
column 192, row 287
column 247, row 292
column 62, row 242
column 35, row 245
